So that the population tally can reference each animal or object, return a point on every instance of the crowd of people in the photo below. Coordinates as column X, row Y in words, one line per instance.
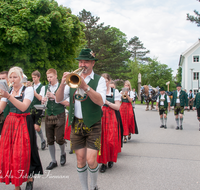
column 99, row 120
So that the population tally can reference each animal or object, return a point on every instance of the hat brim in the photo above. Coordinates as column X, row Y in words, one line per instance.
column 84, row 58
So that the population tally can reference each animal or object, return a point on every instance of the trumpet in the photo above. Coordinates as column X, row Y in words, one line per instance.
column 73, row 80
column 124, row 96
column 29, row 83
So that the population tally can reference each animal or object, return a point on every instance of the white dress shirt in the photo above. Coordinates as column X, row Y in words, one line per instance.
column 163, row 98
column 52, row 89
column 35, row 86
column 117, row 95
column 101, row 89
column 178, row 94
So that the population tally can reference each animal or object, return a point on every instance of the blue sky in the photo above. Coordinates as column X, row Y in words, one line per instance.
column 161, row 25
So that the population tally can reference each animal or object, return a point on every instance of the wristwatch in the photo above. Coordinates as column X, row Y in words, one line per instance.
column 88, row 89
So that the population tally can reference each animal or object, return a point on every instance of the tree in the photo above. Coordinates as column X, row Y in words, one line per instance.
column 38, row 34
column 179, row 75
column 156, row 74
column 109, row 44
column 195, row 19
column 137, row 49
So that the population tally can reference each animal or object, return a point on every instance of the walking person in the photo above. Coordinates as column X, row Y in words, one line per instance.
column 36, row 114
column 18, row 149
column 54, row 120
column 109, row 125
column 190, row 100
column 85, row 117
column 127, row 113
column 179, row 100
column 163, row 103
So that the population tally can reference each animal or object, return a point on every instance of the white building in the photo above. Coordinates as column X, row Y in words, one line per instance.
column 190, row 64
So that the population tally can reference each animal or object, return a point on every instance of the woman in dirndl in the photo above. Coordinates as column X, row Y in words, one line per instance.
column 127, row 113
column 19, row 158
column 109, row 126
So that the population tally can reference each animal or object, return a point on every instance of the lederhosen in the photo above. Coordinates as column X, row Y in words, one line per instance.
column 36, row 114
column 18, row 148
column 55, row 121
column 163, row 108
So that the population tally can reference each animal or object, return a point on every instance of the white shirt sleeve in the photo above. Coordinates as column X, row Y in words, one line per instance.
column 157, row 99
column 42, row 91
column 168, row 99
column 117, row 95
column 101, row 88
column 131, row 94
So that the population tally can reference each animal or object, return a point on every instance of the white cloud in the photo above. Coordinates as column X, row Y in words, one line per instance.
column 160, row 25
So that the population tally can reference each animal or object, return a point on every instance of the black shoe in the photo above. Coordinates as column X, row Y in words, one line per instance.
column 165, row 127
column 129, row 136
column 43, row 145
column 51, row 166
column 29, row 185
column 162, row 126
column 96, row 188
column 177, row 128
column 110, row 164
column 63, row 159
column 181, row 128
column 71, row 152
column 103, row 168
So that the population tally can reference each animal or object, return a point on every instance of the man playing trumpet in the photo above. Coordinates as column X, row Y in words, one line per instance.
column 85, row 117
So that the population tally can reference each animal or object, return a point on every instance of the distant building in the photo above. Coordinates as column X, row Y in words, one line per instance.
column 190, row 64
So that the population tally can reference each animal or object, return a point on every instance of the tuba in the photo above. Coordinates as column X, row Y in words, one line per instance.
column 73, row 79
column 124, row 96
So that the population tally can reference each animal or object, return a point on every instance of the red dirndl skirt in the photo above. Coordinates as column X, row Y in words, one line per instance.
column 109, row 136
column 15, row 150
column 127, row 116
column 67, row 131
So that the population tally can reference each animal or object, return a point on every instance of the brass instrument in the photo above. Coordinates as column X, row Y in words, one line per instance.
column 29, row 83
column 73, row 79
column 124, row 90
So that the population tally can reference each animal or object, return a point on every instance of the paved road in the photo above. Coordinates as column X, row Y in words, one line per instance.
column 156, row 159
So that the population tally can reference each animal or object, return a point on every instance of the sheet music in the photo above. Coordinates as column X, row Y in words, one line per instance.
column 4, row 85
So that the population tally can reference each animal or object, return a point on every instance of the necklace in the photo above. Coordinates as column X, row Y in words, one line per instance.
column 16, row 91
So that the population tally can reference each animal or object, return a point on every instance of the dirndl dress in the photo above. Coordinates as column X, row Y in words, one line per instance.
column 19, row 158
column 109, row 134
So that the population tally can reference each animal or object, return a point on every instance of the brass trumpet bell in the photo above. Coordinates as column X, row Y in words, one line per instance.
column 73, row 79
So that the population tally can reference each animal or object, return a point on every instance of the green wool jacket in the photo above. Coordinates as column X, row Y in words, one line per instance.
column 183, row 98
column 197, row 100
column 91, row 112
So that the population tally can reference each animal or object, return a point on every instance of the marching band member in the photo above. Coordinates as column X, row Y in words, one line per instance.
column 127, row 113
column 179, row 100
column 163, row 102
column 18, row 148
column 85, row 117
column 109, row 127
column 55, row 119
column 36, row 114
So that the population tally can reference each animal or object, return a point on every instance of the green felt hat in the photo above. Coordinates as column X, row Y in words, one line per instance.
column 162, row 89
column 86, row 54
column 178, row 85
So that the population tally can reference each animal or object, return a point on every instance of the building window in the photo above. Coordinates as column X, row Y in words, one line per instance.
column 195, row 92
column 195, row 76
column 196, row 58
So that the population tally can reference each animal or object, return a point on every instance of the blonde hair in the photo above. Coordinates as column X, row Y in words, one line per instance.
column 127, row 82
column 16, row 70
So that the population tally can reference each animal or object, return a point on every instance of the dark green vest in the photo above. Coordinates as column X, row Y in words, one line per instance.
column 20, row 98
column 91, row 112
column 165, row 102
column 54, row 108
column 35, row 100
